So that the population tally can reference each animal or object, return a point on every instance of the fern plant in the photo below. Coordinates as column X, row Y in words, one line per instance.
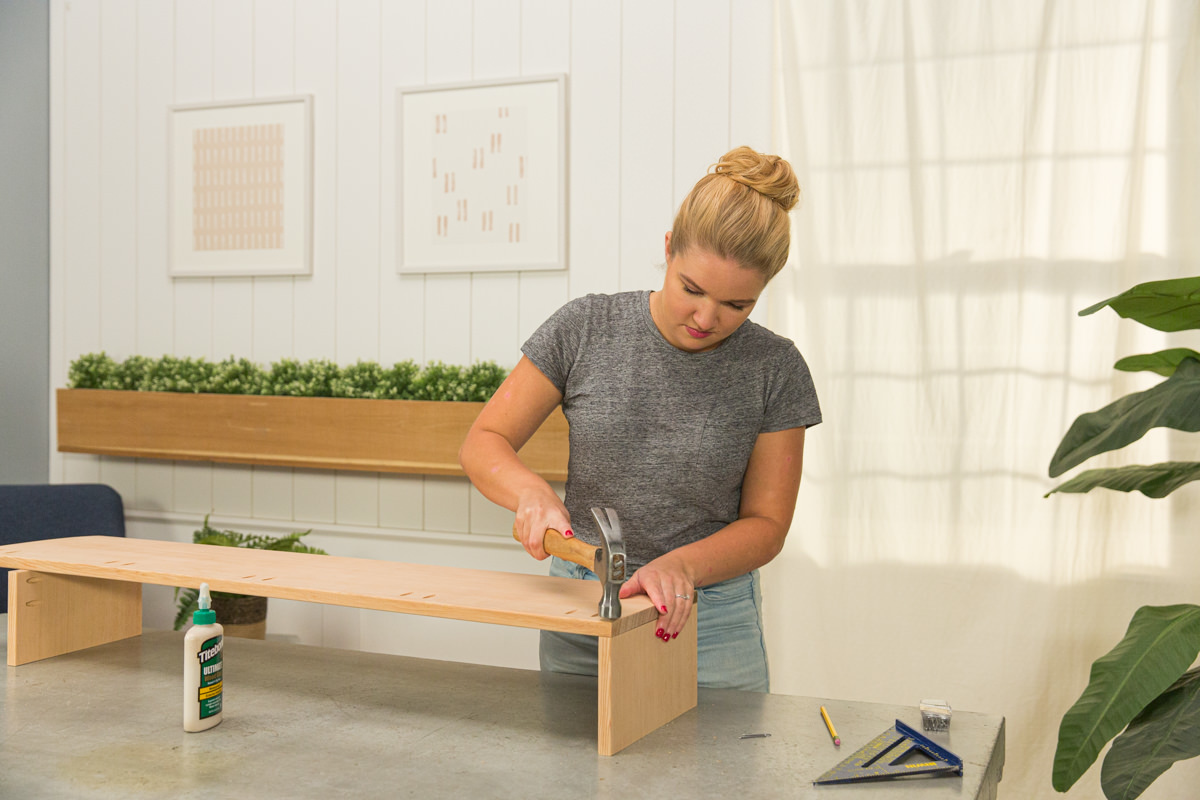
column 187, row 599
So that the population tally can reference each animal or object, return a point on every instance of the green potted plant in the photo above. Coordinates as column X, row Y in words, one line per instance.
column 240, row 614
column 1141, row 692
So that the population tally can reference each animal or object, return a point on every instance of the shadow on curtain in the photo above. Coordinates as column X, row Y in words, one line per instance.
column 974, row 174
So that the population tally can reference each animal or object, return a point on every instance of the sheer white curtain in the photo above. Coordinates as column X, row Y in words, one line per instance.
column 976, row 172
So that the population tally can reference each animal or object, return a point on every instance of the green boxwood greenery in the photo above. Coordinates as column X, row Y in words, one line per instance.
column 289, row 377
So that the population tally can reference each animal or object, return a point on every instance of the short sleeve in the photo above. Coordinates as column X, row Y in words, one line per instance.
column 554, row 346
column 791, row 400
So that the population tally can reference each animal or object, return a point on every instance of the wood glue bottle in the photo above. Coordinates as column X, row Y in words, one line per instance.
column 202, row 673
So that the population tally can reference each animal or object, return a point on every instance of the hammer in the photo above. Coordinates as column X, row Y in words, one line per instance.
column 607, row 560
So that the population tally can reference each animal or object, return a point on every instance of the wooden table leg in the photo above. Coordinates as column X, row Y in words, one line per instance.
column 644, row 683
column 50, row 614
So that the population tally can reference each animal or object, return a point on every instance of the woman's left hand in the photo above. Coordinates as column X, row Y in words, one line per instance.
column 670, row 587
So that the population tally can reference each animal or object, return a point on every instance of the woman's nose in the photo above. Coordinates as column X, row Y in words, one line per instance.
column 705, row 316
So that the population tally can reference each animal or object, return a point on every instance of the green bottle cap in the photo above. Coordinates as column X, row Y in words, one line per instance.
column 204, row 615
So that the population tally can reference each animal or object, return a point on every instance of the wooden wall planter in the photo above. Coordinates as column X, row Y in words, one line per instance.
column 317, row 432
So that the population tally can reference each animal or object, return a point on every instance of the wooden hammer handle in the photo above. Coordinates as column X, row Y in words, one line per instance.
column 566, row 547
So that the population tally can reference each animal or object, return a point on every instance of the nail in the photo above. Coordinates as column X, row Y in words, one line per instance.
column 664, row 609
column 666, row 639
column 660, row 633
column 675, row 635
column 568, row 533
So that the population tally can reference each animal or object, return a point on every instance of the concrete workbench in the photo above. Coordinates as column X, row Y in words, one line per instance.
column 314, row 722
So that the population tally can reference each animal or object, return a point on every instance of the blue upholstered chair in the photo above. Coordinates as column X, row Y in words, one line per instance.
column 50, row 511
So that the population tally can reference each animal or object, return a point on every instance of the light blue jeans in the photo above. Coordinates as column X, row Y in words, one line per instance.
column 731, row 653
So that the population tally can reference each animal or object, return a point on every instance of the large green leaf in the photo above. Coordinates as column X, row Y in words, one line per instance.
column 1161, row 642
column 1174, row 403
column 1172, row 305
column 1168, row 730
column 1164, row 362
column 1156, row 480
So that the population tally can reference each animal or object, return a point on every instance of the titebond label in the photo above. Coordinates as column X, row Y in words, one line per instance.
column 210, row 677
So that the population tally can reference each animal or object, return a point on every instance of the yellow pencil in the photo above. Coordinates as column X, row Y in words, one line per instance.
column 829, row 724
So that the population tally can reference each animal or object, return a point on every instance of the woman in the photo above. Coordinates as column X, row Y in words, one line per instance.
column 684, row 417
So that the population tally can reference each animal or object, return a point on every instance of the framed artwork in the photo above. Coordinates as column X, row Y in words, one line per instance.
column 481, row 179
column 240, row 187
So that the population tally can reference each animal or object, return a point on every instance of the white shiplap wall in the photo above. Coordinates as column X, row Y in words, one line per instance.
column 657, row 90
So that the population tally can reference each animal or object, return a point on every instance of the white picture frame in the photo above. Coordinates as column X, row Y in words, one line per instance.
column 481, row 176
column 240, row 187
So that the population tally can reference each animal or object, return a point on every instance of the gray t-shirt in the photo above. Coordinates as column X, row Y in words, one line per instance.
column 661, row 435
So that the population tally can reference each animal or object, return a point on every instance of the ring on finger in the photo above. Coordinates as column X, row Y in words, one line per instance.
column 684, row 596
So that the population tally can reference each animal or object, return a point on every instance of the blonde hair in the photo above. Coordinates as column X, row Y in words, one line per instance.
column 739, row 211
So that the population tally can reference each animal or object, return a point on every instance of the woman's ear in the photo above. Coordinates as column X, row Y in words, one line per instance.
column 667, row 245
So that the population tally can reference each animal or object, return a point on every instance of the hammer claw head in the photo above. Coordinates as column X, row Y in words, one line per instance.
column 610, row 563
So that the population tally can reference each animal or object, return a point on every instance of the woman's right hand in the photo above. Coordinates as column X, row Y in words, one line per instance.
column 536, row 511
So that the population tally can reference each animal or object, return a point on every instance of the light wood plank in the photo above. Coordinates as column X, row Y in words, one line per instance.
column 321, row 432
column 503, row 598
column 53, row 614
column 644, row 683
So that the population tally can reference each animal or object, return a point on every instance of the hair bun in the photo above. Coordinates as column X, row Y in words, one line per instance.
column 770, row 176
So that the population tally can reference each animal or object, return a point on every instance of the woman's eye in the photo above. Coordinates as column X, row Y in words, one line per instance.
column 737, row 308
column 690, row 290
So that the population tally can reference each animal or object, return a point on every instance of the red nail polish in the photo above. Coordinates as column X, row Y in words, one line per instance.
column 666, row 639
column 675, row 635
column 568, row 533
column 659, row 633
column 664, row 609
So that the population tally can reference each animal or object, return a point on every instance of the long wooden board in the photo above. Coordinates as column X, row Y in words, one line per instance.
column 504, row 598
column 68, row 594
column 409, row 436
